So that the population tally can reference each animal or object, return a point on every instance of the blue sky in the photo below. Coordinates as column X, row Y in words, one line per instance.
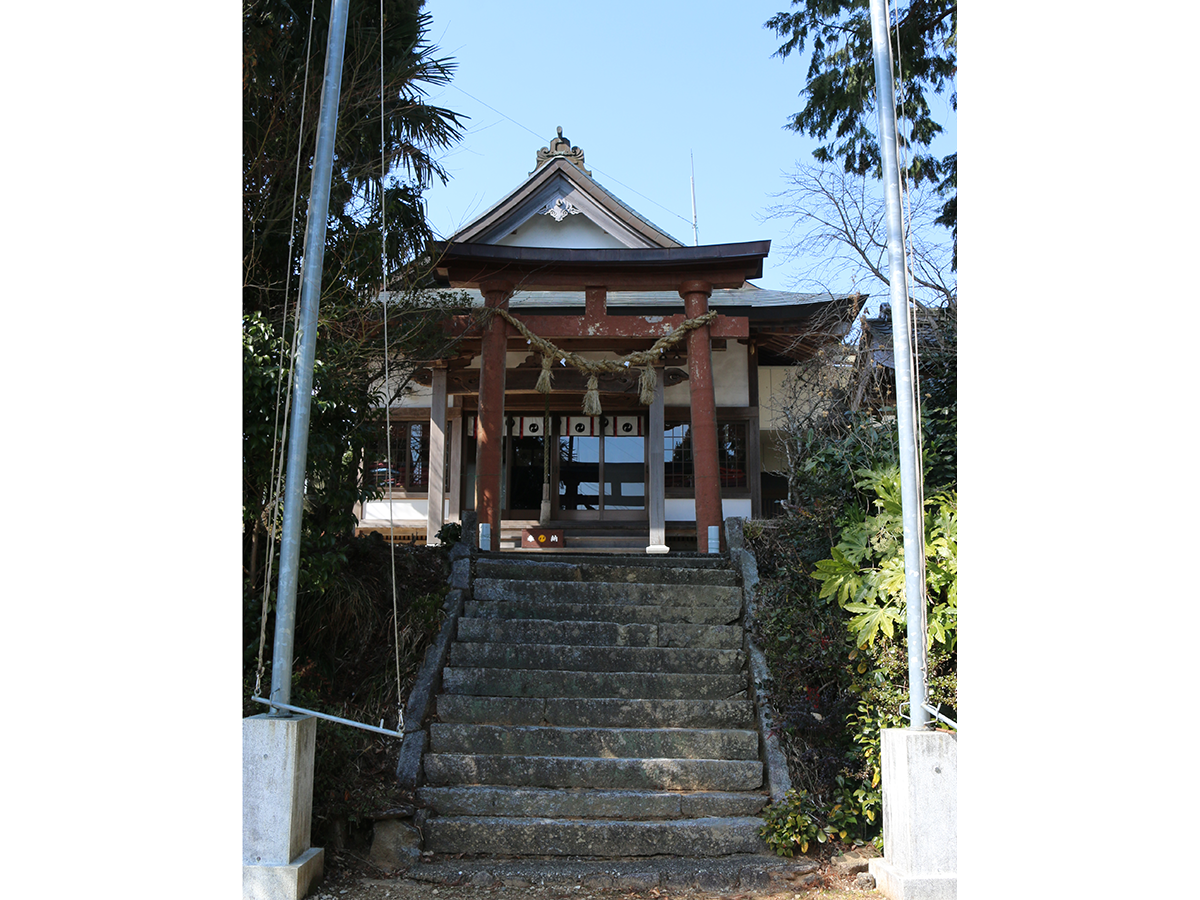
column 639, row 86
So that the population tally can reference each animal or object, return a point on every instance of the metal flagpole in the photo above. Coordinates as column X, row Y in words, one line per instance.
column 310, row 298
column 910, row 464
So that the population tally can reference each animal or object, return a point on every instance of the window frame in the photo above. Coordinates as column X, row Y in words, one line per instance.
column 405, row 486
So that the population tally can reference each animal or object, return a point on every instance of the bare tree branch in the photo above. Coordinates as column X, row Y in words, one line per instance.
column 840, row 219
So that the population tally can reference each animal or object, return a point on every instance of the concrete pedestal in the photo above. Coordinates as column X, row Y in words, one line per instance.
column 920, row 816
column 277, row 783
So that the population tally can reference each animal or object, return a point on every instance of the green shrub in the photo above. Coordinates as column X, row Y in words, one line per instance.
column 800, row 820
column 834, row 633
column 450, row 533
column 866, row 569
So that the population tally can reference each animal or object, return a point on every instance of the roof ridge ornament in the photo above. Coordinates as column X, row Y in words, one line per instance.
column 561, row 147
column 560, row 209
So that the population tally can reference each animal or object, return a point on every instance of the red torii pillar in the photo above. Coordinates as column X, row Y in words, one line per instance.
column 705, row 469
column 490, row 424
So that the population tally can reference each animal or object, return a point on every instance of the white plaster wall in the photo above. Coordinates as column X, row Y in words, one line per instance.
column 683, row 509
column 730, row 383
column 731, row 387
column 512, row 359
column 574, row 232
column 773, row 459
column 738, row 506
column 679, row 509
column 770, row 384
column 414, row 395
column 403, row 511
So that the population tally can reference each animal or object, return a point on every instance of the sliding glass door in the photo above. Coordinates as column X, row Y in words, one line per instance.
column 602, row 476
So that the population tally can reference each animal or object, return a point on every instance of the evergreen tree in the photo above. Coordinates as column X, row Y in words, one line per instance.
column 839, row 95
column 281, row 105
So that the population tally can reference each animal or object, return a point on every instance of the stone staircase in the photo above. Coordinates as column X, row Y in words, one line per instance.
column 595, row 537
column 595, row 706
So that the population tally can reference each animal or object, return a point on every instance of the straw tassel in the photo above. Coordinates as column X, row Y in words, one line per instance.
column 543, row 385
column 591, row 400
column 646, row 385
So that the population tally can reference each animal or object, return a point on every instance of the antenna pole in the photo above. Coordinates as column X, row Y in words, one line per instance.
column 310, row 300
column 695, row 234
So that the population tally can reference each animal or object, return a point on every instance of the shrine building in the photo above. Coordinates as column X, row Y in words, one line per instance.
column 662, row 361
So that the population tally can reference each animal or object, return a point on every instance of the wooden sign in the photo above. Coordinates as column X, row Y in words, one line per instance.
column 541, row 539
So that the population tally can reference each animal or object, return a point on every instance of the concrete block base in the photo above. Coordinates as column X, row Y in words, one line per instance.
column 895, row 885
column 658, row 548
column 277, row 779
column 920, row 816
column 286, row 882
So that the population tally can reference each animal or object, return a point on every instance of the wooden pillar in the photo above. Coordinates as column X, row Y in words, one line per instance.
column 595, row 300
column 658, row 470
column 455, row 475
column 435, row 516
column 705, row 468
column 754, row 433
column 489, row 429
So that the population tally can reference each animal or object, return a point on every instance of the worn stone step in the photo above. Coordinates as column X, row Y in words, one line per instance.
column 605, row 634
column 595, row 712
column 490, row 682
column 620, row 613
column 578, row 544
column 477, row 800
column 558, row 569
column 674, row 560
column 740, row 874
column 604, row 838
column 636, row 594
column 665, row 774
column 545, row 657
column 542, row 740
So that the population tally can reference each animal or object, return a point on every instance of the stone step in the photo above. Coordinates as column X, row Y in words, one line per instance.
column 604, row 634
column 544, row 657
column 603, row 712
column 619, row 572
column 620, row 613
column 606, row 593
column 624, row 743
column 661, row 774
column 703, row 837
column 477, row 800
column 595, row 705
column 674, row 560
column 490, row 682
column 740, row 875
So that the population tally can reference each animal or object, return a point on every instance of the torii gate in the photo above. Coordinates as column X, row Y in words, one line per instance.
column 498, row 271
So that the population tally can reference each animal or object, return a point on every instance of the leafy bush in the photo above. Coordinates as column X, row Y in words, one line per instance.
column 866, row 571
column 832, row 608
column 834, row 632
column 450, row 533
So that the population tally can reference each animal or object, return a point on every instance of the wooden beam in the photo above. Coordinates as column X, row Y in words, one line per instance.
column 566, row 380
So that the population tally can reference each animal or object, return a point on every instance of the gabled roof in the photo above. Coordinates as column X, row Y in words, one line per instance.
column 560, row 231
column 877, row 331
column 560, row 205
